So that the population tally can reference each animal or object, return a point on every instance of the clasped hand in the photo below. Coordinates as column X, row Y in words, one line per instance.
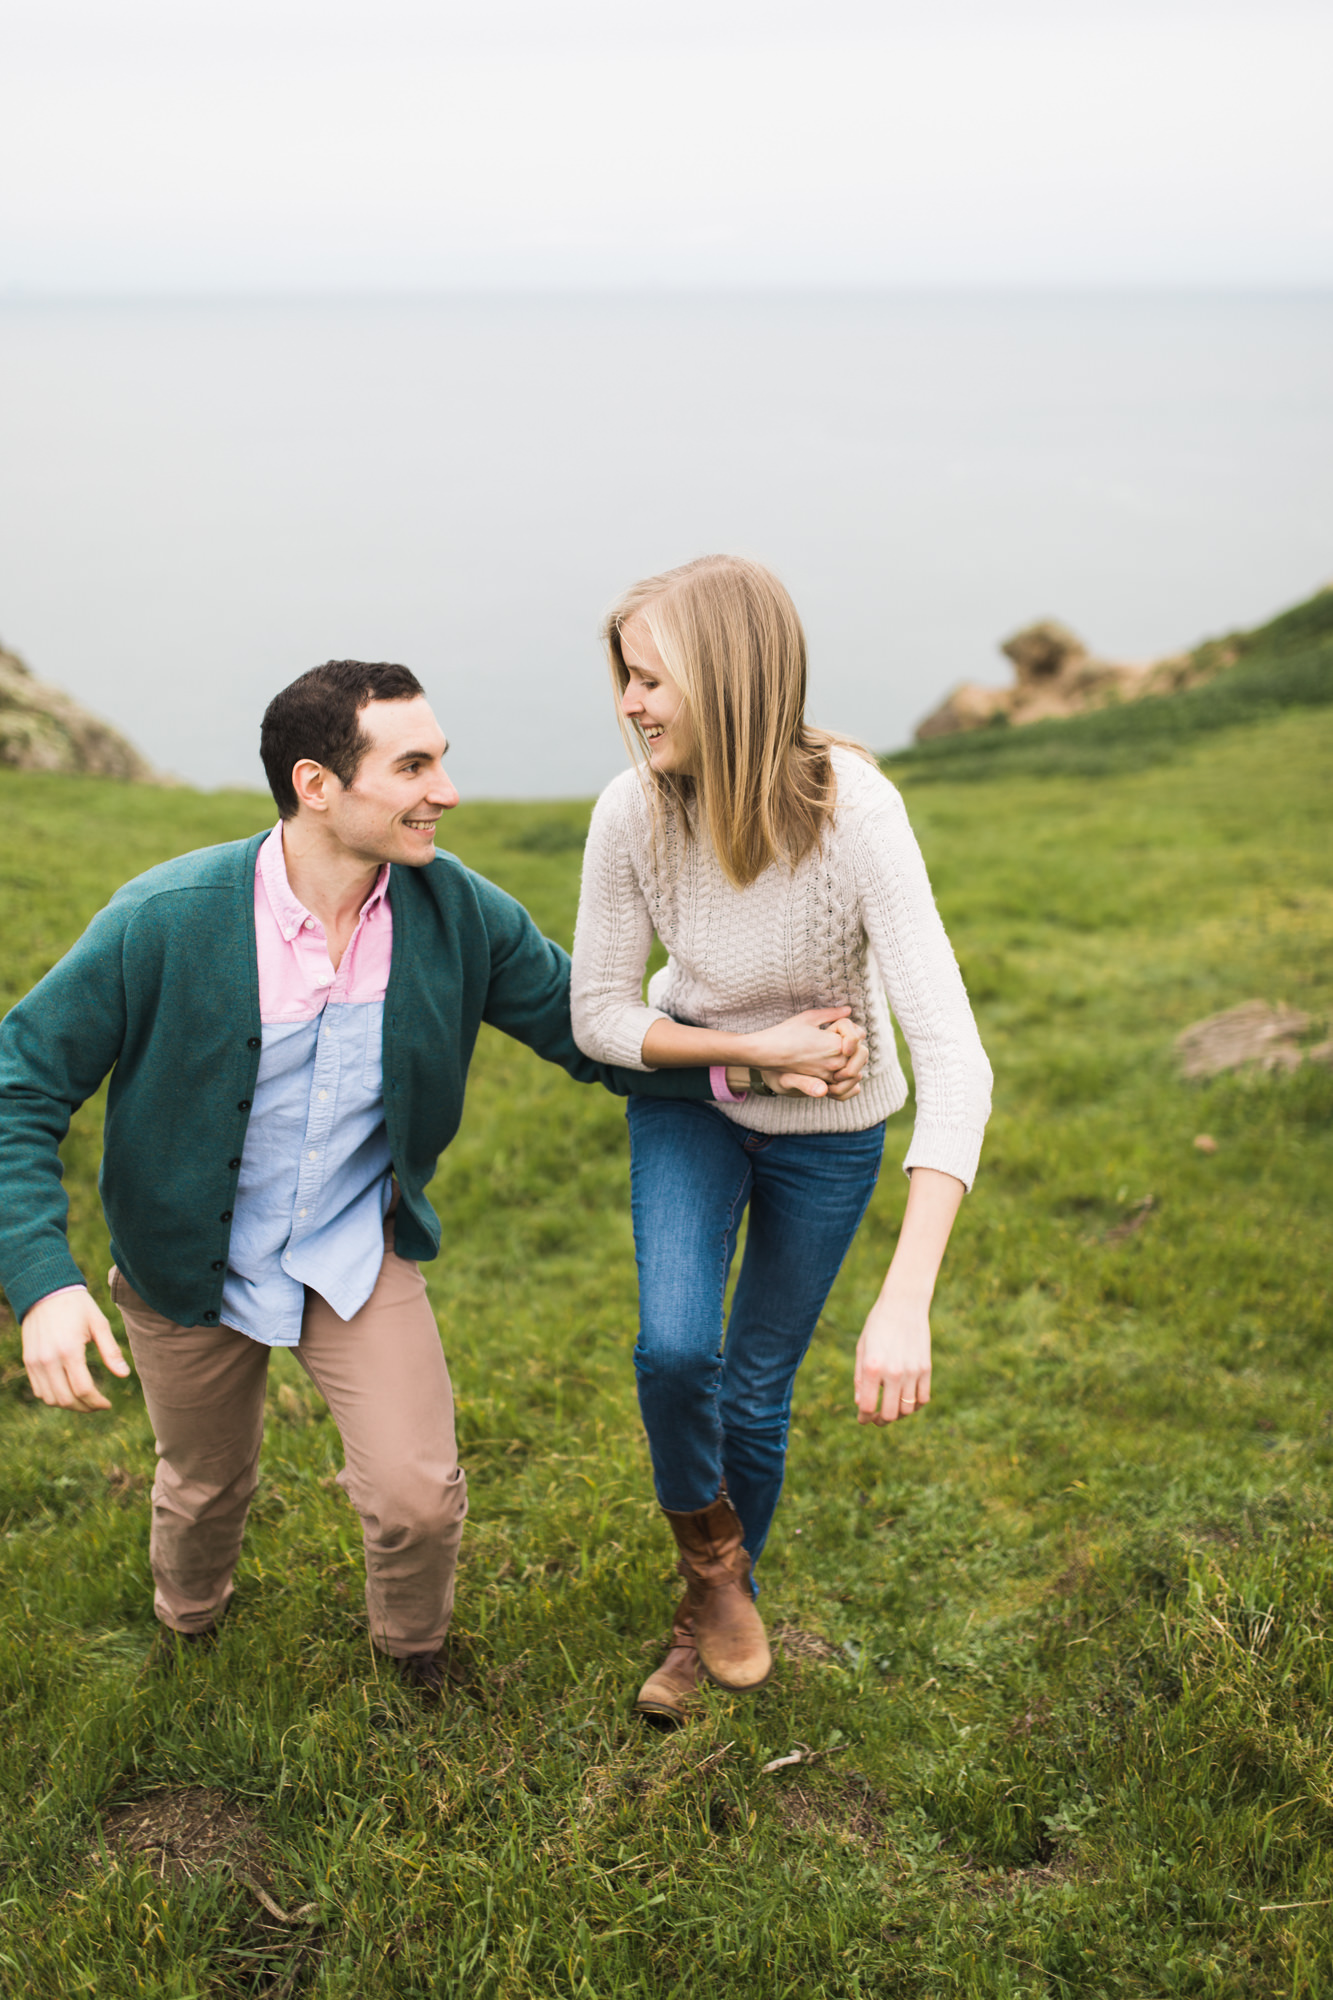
column 819, row 1053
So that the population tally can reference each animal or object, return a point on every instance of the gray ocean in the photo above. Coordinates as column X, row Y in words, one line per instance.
column 199, row 500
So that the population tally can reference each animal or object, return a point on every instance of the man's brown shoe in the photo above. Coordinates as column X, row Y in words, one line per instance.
column 171, row 1649
column 669, row 1691
column 733, row 1647
column 424, row 1674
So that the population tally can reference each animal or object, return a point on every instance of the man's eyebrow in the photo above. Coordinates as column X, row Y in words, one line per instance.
column 421, row 756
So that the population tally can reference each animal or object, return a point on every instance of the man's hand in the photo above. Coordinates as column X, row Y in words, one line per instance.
column 55, row 1334
column 893, row 1361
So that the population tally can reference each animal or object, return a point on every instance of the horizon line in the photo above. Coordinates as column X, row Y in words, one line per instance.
column 17, row 294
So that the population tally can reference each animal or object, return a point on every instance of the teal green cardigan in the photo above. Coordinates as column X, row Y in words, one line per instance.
column 162, row 990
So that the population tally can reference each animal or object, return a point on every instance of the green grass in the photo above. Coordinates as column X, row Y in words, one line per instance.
column 1285, row 664
column 1068, row 1638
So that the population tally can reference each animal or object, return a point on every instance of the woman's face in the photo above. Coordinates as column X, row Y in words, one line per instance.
column 654, row 701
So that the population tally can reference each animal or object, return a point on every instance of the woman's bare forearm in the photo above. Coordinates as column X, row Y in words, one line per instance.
column 819, row 1041
column 933, row 1201
column 671, row 1045
column 892, row 1377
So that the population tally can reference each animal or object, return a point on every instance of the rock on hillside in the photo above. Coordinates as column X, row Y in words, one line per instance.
column 42, row 729
column 1056, row 675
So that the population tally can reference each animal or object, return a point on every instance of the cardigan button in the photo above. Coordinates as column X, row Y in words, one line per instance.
column 217, row 1265
column 254, row 1042
column 233, row 1164
column 225, row 1215
column 210, row 1319
column 244, row 1104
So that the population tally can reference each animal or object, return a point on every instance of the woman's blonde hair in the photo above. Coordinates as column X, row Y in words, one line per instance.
column 730, row 638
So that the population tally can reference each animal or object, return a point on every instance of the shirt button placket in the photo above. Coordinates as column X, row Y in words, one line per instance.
column 320, row 1112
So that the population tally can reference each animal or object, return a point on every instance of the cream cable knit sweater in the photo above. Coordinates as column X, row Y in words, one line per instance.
column 856, row 917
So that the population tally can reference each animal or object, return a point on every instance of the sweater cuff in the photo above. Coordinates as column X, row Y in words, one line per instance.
column 949, row 1149
column 722, row 1091
column 54, row 1272
column 619, row 1039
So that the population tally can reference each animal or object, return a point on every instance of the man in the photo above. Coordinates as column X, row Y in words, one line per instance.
column 288, row 1021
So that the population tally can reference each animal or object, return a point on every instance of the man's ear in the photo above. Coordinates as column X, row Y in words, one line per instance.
column 312, row 784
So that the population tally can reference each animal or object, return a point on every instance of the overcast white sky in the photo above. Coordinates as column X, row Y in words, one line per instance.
column 215, row 145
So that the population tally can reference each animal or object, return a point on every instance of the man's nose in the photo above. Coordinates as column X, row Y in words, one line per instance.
column 444, row 793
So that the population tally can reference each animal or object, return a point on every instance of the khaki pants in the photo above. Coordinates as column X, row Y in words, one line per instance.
column 384, row 1378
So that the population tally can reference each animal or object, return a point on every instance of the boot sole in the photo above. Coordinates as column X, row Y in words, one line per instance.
column 657, row 1711
column 738, row 1687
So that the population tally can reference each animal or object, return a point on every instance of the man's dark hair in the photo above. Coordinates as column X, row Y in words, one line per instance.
column 318, row 716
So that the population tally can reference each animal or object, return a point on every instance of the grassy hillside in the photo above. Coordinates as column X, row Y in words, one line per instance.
column 1062, row 1645
column 1284, row 664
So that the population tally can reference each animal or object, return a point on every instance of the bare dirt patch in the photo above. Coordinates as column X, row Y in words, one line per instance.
column 1076, row 1575
column 1003, row 1884
column 1035, row 1716
column 849, row 1808
column 181, row 1834
column 124, row 1485
column 1133, row 1222
column 1254, row 1033
column 798, row 1644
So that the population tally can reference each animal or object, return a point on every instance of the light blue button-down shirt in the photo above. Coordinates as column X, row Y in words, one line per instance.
column 315, row 1180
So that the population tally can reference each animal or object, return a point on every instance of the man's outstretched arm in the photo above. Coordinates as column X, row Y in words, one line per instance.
column 56, row 1045
column 529, row 999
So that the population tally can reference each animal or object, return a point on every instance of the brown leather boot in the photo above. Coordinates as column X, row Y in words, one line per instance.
column 669, row 1691
column 733, row 1648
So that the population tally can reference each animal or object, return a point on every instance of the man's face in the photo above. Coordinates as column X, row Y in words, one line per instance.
column 389, row 811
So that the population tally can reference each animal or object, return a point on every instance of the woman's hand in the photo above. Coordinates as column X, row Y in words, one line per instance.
column 819, row 1053
column 893, row 1361
column 893, row 1354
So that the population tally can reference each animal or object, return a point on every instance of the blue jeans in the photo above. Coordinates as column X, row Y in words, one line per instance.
column 711, row 1413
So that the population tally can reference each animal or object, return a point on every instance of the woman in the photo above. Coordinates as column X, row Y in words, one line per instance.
column 777, row 867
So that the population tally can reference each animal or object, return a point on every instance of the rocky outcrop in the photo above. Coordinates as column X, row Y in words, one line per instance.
column 1056, row 676
column 42, row 729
